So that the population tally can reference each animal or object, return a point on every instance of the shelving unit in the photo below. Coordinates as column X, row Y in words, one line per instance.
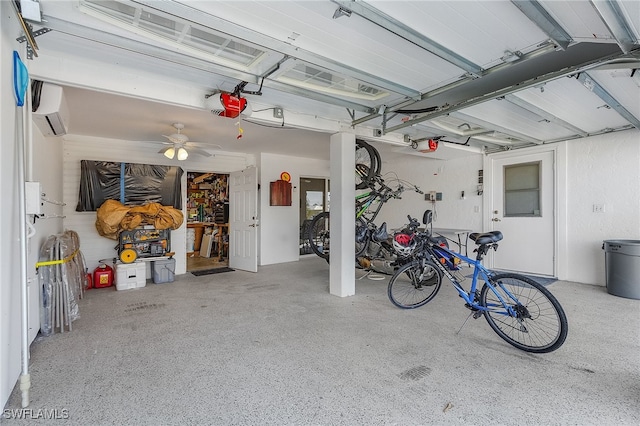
column 204, row 192
column 207, row 211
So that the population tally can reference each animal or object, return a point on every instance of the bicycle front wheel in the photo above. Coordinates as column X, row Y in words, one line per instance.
column 537, row 322
column 368, row 164
column 414, row 284
column 319, row 235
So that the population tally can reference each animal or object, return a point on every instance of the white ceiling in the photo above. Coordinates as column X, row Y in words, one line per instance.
column 438, row 68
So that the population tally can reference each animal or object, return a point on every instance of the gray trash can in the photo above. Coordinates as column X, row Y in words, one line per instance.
column 622, row 265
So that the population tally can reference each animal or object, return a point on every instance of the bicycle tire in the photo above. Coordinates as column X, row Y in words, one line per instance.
column 361, row 246
column 376, row 155
column 367, row 164
column 541, row 323
column 319, row 234
column 414, row 284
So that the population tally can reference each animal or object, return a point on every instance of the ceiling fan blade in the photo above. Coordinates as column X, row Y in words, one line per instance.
column 198, row 151
column 171, row 138
column 204, row 145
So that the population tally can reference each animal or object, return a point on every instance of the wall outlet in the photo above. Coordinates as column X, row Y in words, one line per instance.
column 598, row 208
column 278, row 113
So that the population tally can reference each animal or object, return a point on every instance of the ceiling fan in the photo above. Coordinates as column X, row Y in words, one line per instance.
column 180, row 146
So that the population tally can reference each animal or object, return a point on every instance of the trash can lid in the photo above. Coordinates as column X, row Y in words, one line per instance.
column 630, row 247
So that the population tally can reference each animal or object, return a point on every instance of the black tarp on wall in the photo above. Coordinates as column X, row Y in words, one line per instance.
column 131, row 184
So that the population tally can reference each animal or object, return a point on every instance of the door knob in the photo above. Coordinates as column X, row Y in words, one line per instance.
column 496, row 219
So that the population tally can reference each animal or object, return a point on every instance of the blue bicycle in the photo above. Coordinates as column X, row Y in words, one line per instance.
column 521, row 311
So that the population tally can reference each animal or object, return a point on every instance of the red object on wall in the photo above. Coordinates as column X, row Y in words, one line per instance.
column 103, row 276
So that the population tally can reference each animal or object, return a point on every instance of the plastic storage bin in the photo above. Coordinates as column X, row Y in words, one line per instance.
column 131, row 275
column 163, row 271
column 622, row 265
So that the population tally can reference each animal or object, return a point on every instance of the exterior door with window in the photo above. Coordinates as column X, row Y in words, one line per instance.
column 522, row 207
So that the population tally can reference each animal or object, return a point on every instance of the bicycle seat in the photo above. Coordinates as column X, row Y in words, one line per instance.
column 381, row 233
column 486, row 237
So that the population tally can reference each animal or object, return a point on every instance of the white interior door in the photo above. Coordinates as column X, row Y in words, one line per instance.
column 243, row 219
column 522, row 207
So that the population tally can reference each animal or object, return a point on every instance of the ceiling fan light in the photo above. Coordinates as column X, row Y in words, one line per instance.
column 182, row 154
column 170, row 153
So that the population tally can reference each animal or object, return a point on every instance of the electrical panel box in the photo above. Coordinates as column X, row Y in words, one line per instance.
column 33, row 198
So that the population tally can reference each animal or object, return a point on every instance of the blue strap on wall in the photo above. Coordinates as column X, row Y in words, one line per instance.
column 122, row 182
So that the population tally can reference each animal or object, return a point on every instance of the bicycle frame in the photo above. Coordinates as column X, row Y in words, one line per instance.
column 437, row 253
column 363, row 206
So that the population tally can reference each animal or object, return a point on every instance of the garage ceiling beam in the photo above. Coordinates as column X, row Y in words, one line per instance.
column 539, row 15
column 479, row 122
column 588, row 82
column 392, row 25
column 505, row 91
column 613, row 18
column 544, row 114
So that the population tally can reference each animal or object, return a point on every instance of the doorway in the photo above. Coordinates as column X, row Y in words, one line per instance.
column 207, row 221
column 522, row 205
column 314, row 199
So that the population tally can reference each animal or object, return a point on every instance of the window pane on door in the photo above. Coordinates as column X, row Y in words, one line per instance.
column 314, row 203
column 522, row 190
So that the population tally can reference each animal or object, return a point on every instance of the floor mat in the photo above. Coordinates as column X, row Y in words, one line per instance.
column 211, row 271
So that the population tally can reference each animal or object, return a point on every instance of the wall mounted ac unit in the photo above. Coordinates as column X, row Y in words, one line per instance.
column 52, row 115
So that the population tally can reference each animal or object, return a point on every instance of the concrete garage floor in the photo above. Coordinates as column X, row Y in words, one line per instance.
column 276, row 348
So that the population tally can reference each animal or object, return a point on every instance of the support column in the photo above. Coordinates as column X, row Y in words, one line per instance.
column 342, row 274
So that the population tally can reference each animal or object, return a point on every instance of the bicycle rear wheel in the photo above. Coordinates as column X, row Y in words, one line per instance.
column 367, row 165
column 414, row 284
column 362, row 236
column 319, row 235
column 539, row 325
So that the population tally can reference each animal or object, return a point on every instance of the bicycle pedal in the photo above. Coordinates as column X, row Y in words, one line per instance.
column 477, row 314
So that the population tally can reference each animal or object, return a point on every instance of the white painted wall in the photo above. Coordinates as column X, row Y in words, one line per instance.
column 450, row 177
column 9, row 239
column 77, row 148
column 601, row 170
column 43, row 166
column 279, row 234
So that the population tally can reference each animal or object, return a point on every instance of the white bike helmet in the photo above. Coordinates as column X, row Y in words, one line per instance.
column 404, row 244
